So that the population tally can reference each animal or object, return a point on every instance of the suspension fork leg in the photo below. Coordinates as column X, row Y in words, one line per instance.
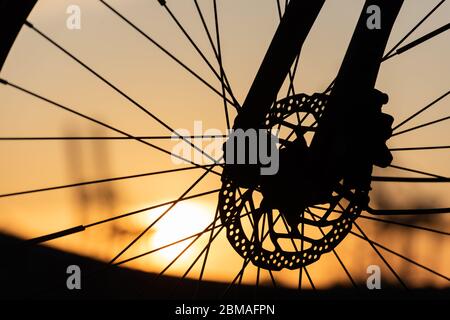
column 284, row 48
column 350, row 100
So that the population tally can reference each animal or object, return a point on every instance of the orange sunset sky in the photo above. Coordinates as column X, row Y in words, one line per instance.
column 120, row 54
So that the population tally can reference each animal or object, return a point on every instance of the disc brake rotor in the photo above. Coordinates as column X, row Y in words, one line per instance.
column 273, row 237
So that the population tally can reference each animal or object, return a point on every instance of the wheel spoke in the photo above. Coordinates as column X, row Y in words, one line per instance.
column 431, row 104
column 208, row 247
column 160, row 217
column 73, row 230
column 292, row 75
column 241, row 276
column 287, row 230
column 185, row 249
column 79, row 184
column 302, row 246
column 421, row 126
column 210, row 136
column 421, row 40
column 336, row 254
column 388, row 54
column 272, row 278
column 145, row 35
column 402, row 224
column 219, row 59
column 189, row 38
column 103, row 124
column 251, row 223
column 209, row 228
column 197, row 235
column 410, row 180
column 375, row 244
column 263, row 226
column 417, row 171
column 309, row 279
column 371, row 243
column 246, row 262
column 216, row 53
column 115, row 88
column 419, row 148
column 258, row 272
column 422, row 211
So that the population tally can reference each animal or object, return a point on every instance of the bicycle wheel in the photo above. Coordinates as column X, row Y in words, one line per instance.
column 194, row 216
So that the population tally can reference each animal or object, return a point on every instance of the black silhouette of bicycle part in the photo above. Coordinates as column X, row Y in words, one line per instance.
column 332, row 141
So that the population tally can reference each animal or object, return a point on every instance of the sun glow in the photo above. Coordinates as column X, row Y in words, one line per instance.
column 184, row 220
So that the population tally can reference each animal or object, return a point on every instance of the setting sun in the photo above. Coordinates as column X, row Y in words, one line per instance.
column 184, row 220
